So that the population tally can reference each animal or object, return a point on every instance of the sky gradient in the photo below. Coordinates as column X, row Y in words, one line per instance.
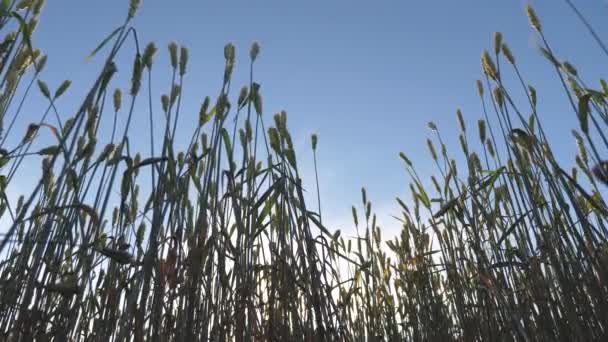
column 366, row 76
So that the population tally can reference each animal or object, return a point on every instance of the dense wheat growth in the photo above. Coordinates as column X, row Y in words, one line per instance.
column 214, row 241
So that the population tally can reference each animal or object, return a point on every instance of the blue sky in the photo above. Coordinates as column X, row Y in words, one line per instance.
column 366, row 76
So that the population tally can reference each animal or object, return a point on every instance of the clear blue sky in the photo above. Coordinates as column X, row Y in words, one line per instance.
column 365, row 75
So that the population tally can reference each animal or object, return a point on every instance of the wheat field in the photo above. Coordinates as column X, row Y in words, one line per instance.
column 216, row 241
